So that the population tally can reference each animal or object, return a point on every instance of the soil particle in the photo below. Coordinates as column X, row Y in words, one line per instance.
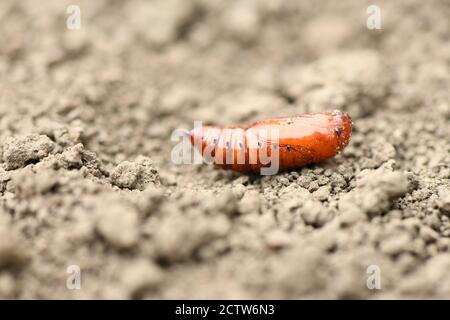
column 224, row 202
column 169, row 21
column 140, row 277
column 323, row 193
column 396, row 244
column 77, row 157
column 63, row 135
column 250, row 202
column 241, row 21
column 313, row 213
column 7, row 286
column 29, row 182
column 428, row 279
column 118, row 223
column 190, row 238
column 148, row 201
column 444, row 200
column 13, row 255
column 381, row 187
column 18, row 152
column 308, row 265
column 277, row 239
column 4, row 178
column 135, row 175
column 239, row 190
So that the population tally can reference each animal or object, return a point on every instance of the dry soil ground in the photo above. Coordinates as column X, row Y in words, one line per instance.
column 86, row 178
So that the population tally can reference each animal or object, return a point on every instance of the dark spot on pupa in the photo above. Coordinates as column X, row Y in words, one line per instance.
column 288, row 147
column 241, row 145
column 338, row 131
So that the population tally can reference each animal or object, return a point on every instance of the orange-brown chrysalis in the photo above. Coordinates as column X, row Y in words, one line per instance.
column 297, row 141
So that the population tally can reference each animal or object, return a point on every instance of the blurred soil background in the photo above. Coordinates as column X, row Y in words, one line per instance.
column 86, row 178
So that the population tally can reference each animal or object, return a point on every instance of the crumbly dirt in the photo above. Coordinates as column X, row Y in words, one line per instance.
column 86, row 178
